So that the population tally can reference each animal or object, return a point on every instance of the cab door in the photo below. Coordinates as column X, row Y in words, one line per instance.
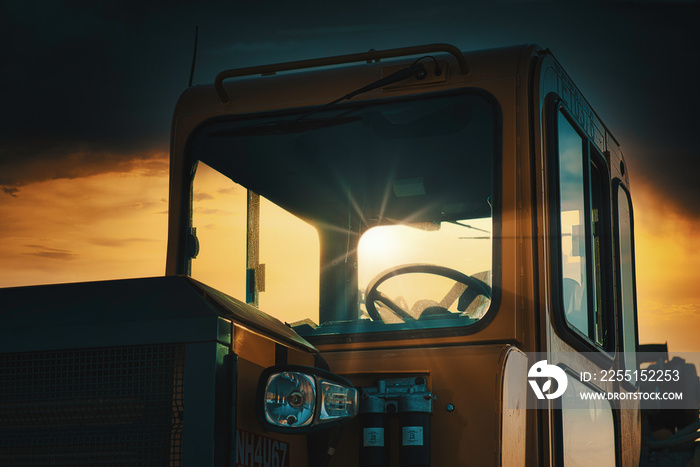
column 589, row 425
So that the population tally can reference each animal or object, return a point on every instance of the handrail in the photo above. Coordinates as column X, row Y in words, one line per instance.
column 336, row 60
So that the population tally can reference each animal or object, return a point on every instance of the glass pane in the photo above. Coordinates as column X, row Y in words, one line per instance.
column 627, row 297
column 573, row 227
column 219, row 215
column 463, row 246
column 588, row 428
column 288, row 248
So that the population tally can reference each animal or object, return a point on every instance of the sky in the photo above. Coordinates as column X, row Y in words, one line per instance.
column 88, row 90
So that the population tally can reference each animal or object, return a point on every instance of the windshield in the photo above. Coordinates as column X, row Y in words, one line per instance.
column 372, row 216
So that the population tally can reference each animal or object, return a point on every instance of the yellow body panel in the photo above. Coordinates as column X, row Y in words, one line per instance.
column 469, row 378
column 256, row 352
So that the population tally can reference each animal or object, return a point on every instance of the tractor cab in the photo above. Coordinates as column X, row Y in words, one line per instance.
column 429, row 221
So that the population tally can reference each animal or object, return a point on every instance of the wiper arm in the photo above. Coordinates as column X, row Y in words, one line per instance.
column 416, row 69
column 468, row 226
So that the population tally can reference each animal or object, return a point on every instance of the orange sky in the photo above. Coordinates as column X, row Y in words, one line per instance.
column 668, row 292
column 113, row 225
column 105, row 226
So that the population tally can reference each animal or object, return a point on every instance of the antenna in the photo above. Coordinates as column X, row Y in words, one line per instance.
column 194, row 54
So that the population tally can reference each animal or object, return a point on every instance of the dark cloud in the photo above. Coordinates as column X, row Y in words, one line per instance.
column 638, row 70
column 27, row 162
column 12, row 191
column 50, row 253
column 83, row 79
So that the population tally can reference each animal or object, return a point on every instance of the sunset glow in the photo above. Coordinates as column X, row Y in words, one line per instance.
column 113, row 226
column 667, row 272
column 106, row 226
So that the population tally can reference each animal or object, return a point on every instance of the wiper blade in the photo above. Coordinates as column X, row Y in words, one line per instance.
column 417, row 69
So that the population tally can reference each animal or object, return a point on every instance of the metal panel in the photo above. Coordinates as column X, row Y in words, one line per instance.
column 98, row 406
column 513, row 409
column 206, row 432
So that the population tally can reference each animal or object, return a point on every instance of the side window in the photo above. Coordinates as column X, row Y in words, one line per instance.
column 277, row 251
column 626, row 279
column 588, row 427
column 585, row 240
column 573, row 243
column 219, row 217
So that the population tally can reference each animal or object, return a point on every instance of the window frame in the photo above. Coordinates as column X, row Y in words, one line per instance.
column 362, row 335
column 608, row 280
column 573, row 336
column 618, row 188
column 248, row 238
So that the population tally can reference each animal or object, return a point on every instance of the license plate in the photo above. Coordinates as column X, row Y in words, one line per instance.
column 254, row 450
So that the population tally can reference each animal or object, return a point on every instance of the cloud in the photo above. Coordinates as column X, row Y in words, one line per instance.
column 21, row 164
column 50, row 253
column 670, row 311
column 671, row 176
column 229, row 191
column 120, row 242
column 201, row 196
column 12, row 191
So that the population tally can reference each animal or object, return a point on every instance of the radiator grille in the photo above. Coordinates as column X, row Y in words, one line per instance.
column 97, row 406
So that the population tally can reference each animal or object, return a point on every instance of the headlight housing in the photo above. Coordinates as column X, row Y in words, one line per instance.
column 299, row 399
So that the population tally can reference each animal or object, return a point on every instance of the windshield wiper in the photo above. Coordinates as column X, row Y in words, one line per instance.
column 468, row 226
column 300, row 124
column 417, row 69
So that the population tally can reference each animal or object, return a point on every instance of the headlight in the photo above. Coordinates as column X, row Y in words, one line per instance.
column 294, row 398
column 290, row 399
column 337, row 401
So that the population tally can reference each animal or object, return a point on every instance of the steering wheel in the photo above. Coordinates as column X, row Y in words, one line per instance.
column 475, row 287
